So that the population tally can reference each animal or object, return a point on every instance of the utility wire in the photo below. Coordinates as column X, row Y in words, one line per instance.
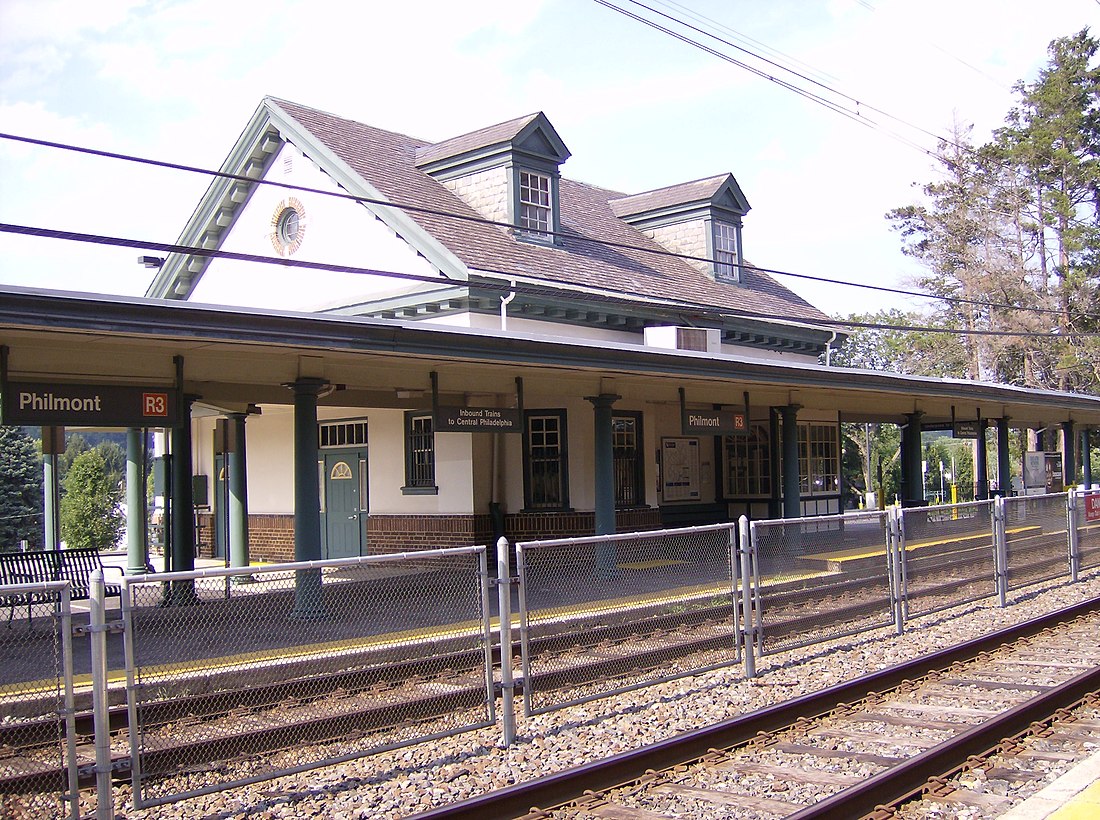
column 564, row 235
column 552, row 289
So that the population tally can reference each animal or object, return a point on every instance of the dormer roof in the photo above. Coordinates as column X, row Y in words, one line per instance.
column 531, row 140
column 719, row 196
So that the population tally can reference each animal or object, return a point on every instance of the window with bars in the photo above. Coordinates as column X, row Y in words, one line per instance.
column 626, row 443
column 545, row 462
column 535, row 205
column 726, row 252
column 419, row 453
column 748, row 464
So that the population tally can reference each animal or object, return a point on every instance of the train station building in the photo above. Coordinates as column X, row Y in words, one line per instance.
column 461, row 343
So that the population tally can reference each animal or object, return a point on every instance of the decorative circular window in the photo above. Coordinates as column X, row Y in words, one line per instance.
column 288, row 225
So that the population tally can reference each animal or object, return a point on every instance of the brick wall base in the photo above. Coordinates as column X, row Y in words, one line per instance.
column 271, row 537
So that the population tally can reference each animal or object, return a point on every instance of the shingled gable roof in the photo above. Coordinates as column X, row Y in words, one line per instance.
column 532, row 132
column 597, row 251
column 722, row 191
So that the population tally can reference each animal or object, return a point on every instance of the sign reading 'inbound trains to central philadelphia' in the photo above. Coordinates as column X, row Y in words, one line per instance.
column 77, row 405
column 477, row 420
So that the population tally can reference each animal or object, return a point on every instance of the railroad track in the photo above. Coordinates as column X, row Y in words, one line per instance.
column 837, row 753
column 335, row 701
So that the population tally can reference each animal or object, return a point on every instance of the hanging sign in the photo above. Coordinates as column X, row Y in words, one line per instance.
column 965, row 429
column 88, row 405
column 477, row 420
column 713, row 423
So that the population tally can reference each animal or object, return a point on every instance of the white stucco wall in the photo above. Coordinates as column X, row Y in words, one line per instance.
column 335, row 230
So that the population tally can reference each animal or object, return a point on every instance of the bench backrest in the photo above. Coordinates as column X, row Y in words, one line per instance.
column 36, row 566
column 77, row 566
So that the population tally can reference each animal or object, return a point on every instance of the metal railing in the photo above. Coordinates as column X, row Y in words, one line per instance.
column 234, row 676
column 948, row 556
column 302, row 665
column 37, row 731
column 1036, row 539
column 816, row 579
column 608, row 614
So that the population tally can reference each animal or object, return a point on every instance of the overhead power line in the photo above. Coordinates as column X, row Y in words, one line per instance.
column 552, row 287
column 565, row 235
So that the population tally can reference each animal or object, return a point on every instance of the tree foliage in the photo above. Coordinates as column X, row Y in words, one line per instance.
column 20, row 490
column 91, row 515
column 1009, row 236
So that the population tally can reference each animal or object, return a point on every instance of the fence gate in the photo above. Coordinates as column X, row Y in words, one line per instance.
column 607, row 614
column 816, row 579
column 240, row 675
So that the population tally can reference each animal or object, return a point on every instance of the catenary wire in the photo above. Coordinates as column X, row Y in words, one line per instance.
column 565, row 235
column 612, row 297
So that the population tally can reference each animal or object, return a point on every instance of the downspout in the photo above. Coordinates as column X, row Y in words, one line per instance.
column 829, row 349
column 504, row 302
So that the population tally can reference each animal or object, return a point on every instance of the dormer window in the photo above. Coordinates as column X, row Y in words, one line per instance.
column 727, row 252
column 535, row 216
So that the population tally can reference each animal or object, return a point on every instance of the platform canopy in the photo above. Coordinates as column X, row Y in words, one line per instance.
column 233, row 358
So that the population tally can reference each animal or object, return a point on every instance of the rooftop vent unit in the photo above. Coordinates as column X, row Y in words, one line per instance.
column 701, row 339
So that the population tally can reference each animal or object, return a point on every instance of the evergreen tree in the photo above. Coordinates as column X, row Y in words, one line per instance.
column 20, row 490
column 91, row 515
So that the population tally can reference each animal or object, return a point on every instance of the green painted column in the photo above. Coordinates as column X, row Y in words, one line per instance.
column 183, row 506
column 1004, row 466
column 236, row 462
column 792, row 492
column 137, row 547
column 1069, row 455
column 51, row 518
column 912, row 477
column 981, row 465
column 604, row 455
column 308, row 602
column 604, row 475
column 1086, row 457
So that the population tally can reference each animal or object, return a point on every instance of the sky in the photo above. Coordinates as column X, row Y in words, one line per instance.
column 639, row 109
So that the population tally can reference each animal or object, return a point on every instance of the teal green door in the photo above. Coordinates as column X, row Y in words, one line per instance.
column 344, row 503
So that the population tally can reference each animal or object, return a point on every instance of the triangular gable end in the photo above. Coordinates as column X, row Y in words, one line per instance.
column 251, row 156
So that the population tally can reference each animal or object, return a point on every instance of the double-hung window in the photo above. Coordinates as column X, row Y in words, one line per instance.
column 535, row 205
column 726, row 252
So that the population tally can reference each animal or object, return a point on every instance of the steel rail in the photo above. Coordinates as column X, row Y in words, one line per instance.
column 566, row 786
column 907, row 778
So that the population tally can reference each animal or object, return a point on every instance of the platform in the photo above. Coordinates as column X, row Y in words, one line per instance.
column 1073, row 796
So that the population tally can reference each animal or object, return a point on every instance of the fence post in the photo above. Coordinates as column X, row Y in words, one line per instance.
column 1000, row 550
column 894, row 559
column 748, row 631
column 105, row 809
column 504, row 600
column 68, row 669
column 1071, row 528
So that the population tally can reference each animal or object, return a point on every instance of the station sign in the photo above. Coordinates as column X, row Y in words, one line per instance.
column 713, row 423
column 88, row 405
column 965, row 429
column 477, row 420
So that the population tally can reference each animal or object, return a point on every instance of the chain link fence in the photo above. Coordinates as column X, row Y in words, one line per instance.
column 1036, row 539
column 1087, row 520
column 948, row 556
column 608, row 614
column 38, row 762
column 815, row 579
column 238, row 676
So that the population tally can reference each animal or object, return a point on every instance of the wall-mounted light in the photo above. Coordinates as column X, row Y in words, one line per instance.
column 151, row 261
